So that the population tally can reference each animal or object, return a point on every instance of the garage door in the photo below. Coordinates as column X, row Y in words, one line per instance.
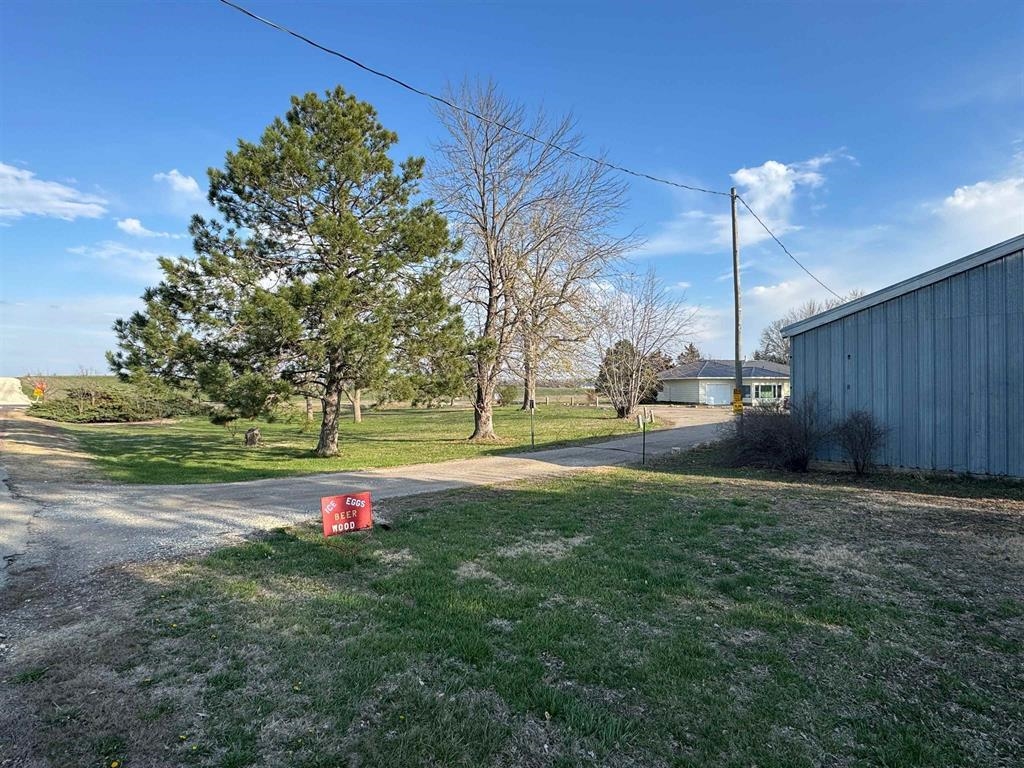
column 718, row 393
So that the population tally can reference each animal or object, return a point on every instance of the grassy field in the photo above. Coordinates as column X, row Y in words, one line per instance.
column 194, row 451
column 674, row 617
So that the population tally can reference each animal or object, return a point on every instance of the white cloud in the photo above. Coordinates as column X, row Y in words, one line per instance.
column 124, row 260
column 683, row 285
column 712, row 330
column 994, row 208
column 180, row 183
column 767, row 302
column 986, row 83
column 901, row 241
column 786, row 288
column 134, row 227
column 22, row 194
column 987, row 194
column 927, row 235
column 690, row 232
column 770, row 189
column 53, row 335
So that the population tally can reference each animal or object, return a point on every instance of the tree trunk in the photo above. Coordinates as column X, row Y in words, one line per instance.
column 529, row 382
column 529, row 390
column 309, row 413
column 357, row 405
column 483, row 413
column 328, row 443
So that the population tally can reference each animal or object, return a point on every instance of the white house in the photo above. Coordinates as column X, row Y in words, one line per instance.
column 710, row 382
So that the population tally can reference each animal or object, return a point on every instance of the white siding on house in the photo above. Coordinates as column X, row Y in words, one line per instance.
column 679, row 391
column 709, row 391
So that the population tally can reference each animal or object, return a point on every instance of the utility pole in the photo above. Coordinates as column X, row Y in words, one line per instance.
column 737, row 393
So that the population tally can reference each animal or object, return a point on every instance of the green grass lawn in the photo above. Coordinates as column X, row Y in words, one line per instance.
column 194, row 451
column 673, row 617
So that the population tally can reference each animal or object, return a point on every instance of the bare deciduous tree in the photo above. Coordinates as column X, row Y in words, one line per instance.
column 774, row 346
column 640, row 319
column 532, row 219
column 556, row 288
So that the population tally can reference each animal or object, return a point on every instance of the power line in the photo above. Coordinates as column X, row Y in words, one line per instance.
column 465, row 110
column 517, row 132
column 785, row 249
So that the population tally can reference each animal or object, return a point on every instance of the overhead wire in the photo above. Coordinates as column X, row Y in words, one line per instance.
column 784, row 248
column 523, row 134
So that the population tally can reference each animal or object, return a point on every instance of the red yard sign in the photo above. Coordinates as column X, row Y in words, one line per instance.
column 346, row 513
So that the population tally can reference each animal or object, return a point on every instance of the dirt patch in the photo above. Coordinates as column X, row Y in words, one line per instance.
column 502, row 625
column 41, row 684
column 543, row 547
column 472, row 570
column 540, row 545
column 36, row 450
column 839, row 557
column 394, row 559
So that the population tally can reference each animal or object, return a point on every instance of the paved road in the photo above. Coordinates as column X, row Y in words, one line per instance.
column 10, row 392
column 77, row 528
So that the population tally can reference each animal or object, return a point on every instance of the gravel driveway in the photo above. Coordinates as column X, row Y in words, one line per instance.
column 73, row 528
column 11, row 393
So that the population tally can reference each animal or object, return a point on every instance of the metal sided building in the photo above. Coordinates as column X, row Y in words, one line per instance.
column 938, row 358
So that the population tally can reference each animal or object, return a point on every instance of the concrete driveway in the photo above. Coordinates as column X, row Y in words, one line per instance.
column 74, row 528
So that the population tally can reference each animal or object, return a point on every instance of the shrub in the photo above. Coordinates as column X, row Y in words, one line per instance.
column 861, row 436
column 117, row 403
column 224, row 419
column 510, row 394
column 398, row 389
column 773, row 438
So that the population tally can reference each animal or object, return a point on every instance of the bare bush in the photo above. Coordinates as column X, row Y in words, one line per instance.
column 861, row 437
column 773, row 438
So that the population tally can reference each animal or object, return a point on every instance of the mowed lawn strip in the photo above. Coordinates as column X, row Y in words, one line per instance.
column 192, row 450
column 623, row 618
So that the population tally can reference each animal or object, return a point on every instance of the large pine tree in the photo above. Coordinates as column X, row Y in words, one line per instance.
column 324, row 276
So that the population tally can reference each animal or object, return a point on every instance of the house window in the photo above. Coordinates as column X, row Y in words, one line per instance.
column 768, row 391
column 746, row 390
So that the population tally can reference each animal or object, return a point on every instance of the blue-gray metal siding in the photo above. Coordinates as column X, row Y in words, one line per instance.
column 942, row 366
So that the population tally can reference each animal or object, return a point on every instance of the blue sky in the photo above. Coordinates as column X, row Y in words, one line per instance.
column 878, row 139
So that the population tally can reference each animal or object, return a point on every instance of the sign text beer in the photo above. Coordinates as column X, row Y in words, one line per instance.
column 346, row 513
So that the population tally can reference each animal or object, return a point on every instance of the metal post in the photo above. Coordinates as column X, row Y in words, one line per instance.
column 643, row 453
column 738, row 390
column 533, row 443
